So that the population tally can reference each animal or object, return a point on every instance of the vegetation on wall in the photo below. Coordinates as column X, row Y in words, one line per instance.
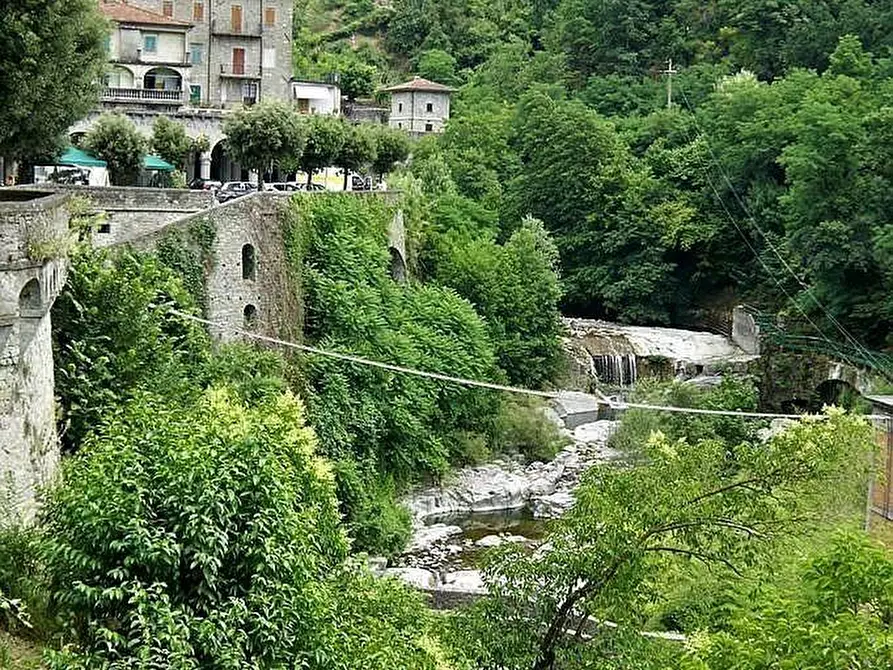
column 189, row 253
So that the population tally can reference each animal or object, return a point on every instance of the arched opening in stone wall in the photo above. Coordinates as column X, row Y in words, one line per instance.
column 30, row 312
column 835, row 392
column 398, row 265
column 29, row 298
column 223, row 168
column 249, row 316
column 249, row 262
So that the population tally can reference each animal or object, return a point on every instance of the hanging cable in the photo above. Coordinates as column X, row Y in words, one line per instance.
column 598, row 398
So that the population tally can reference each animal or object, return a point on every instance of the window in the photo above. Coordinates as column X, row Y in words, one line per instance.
column 238, row 60
column 400, row 124
column 399, row 106
column 196, row 53
column 249, row 93
column 269, row 57
column 236, row 18
column 429, row 107
column 270, row 17
column 428, row 127
column 304, row 105
column 105, row 228
column 195, row 94
column 198, row 11
column 150, row 43
column 249, row 262
column 167, row 8
column 250, row 314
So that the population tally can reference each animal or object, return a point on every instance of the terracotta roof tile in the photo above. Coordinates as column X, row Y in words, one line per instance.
column 121, row 12
column 419, row 84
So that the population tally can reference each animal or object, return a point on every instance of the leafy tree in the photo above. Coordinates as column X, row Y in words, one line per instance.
column 325, row 138
column 835, row 614
column 358, row 79
column 708, row 502
column 357, row 150
column 513, row 286
column 170, row 142
column 265, row 136
column 437, row 65
column 208, row 533
column 116, row 140
column 391, row 147
column 112, row 336
column 52, row 58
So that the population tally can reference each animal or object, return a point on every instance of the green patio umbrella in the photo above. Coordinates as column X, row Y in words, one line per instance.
column 74, row 156
column 156, row 163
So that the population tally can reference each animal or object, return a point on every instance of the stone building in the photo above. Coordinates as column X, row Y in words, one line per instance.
column 419, row 106
column 200, row 53
column 34, row 238
column 192, row 60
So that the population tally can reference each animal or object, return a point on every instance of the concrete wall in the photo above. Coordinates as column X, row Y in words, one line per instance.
column 745, row 331
column 33, row 243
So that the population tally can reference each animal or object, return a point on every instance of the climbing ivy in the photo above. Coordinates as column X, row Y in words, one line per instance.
column 190, row 253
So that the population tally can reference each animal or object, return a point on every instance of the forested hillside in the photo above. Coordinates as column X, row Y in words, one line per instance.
column 766, row 179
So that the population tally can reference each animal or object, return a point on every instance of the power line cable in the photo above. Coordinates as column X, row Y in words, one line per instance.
column 807, row 289
column 599, row 398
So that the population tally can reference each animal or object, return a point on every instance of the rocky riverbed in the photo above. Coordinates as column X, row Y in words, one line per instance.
column 485, row 506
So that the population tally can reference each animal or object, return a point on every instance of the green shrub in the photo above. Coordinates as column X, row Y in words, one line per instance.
column 398, row 422
column 112, row 335
column 208, row 535
column 373, row 516
column 733, row 393
column 523, row 427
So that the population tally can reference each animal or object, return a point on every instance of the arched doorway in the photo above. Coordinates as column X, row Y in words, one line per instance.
column 835, row 392
column 398, row 265
column 249, row 315
column 223, row 168
column 163, row 79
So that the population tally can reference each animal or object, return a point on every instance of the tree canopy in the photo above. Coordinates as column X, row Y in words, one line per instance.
column 266, row 136
column 52, row 57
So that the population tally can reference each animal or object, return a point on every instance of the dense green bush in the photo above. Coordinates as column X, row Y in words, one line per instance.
column 208, row 535
column 397, row 421
column 112, row 335
column 513, row 286
column 732, row 393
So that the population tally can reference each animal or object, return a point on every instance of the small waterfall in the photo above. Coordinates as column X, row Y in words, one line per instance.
column 616, row 369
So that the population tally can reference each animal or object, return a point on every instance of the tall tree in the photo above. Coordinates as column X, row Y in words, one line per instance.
column 391, row 147
column 52, row 56
column 357, row 150
column 325, row 137
column 265, row 136
column 116, row 140
column 170, row 142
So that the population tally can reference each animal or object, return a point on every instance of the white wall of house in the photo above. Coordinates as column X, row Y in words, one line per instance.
column 420, row 111
column 314, row 98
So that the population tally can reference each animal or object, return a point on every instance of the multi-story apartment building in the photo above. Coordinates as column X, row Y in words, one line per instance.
column 200, row 53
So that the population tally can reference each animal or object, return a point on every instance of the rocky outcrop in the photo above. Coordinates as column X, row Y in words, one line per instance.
column 507, row 485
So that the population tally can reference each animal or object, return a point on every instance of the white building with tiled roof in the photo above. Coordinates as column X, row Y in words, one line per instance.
column 419, row 106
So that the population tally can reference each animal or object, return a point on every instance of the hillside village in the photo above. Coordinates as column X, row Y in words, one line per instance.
column 542, row 336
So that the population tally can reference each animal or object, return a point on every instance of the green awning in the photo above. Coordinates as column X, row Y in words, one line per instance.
column 74, row 156
column 156, row 163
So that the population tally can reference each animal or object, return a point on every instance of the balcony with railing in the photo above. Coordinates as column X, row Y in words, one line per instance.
column 240, row 70
column 235, row 28
column 143, row 95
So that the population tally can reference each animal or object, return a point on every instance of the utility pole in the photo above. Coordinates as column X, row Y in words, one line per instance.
column 670, row 71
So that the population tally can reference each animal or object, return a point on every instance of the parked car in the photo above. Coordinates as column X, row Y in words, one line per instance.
column 283, row 186
column 200, row 184
column 313, row 187
column 234, row 189
column 360, row 183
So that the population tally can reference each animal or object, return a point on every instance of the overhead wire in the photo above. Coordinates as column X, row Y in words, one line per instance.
column 784, row 263
column 598, row 397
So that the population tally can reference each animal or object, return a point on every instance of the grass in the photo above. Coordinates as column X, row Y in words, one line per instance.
column 18, row 654
column 882, row 530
